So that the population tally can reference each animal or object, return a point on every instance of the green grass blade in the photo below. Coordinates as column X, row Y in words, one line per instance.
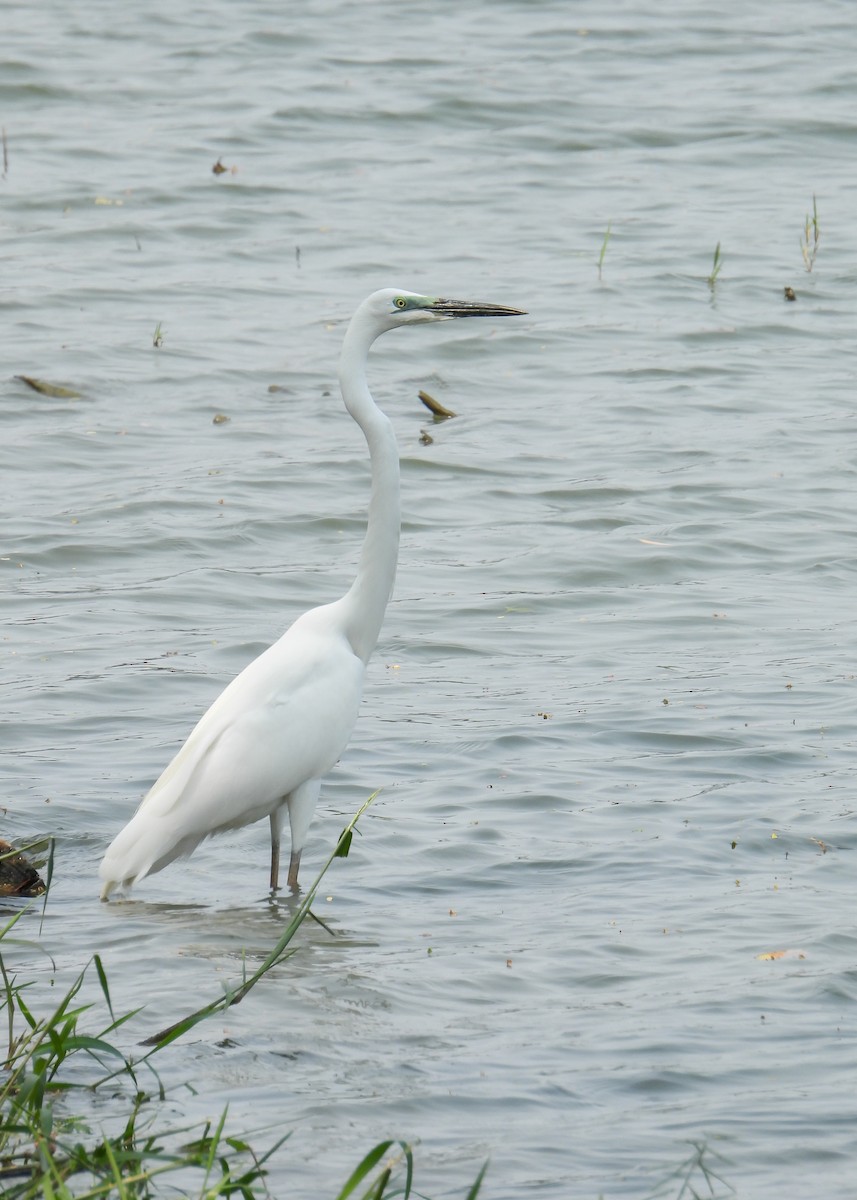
column 49, row 874
column 344, row 844
column 92, row 1044
column 279, row 953
column 477, row 1182
column 102, row 979
column 367, row 1164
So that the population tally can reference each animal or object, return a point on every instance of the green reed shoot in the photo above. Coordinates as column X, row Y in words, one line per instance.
column 715, row 267
column 811, row 237
column 604, row 248
column 158, row 337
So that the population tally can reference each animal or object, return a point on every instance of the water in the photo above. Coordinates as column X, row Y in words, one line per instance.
column 612, row 707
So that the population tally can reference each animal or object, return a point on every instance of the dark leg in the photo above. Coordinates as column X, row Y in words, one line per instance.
column 275, row 850
column 294, row 867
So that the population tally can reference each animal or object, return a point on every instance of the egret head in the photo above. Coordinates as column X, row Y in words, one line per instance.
column 392, row 307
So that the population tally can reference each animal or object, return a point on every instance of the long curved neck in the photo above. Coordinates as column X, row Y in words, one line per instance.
column 366, row 600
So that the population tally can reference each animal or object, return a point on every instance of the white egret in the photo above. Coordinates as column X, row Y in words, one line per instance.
column 267, row 741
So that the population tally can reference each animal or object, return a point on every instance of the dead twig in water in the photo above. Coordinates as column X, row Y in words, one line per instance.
column 49, row 389
column 435, row 407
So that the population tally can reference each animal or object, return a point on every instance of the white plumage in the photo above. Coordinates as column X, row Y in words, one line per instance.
column 272, row 735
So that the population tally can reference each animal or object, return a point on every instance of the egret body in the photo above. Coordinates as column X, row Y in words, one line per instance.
column 266, row 743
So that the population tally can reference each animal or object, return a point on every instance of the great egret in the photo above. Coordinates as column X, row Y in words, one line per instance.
column 279, row 726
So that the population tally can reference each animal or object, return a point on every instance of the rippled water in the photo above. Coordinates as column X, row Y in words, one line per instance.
column 612, row 710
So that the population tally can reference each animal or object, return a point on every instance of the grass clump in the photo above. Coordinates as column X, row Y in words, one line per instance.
column 59, row 1140
column 51, row 1070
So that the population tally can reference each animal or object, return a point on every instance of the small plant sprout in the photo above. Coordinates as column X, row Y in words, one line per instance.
column 715, row 267
column 158, row 337
column 811, row 237
column 604, row 248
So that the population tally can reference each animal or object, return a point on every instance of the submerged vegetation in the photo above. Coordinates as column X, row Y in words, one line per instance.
column 60, row 1140
column 698, row 1177
column 604, row 249
column 809, row 245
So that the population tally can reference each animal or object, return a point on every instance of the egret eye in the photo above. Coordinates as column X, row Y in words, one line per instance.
column 400, row 302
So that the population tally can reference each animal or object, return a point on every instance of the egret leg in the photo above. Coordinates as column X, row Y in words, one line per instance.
column 294, row 867
column 275, row 851
column 301, row 805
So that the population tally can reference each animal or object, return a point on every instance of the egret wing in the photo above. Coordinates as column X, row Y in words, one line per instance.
column 284, row 720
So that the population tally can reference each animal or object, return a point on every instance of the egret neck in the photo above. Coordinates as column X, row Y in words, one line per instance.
column 367, row 598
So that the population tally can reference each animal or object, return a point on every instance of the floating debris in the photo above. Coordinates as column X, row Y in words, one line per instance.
column 277, row 387
column 435, row 407
column 49, row 389
column 17, row 876
column 220, row 169
column 219, row 419
column 426, row 438
column 789, row 293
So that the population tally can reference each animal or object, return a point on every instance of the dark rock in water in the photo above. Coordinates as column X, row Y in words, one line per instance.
column 17, row 876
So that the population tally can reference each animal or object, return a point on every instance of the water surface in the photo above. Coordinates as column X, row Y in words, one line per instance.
column 612, row 707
